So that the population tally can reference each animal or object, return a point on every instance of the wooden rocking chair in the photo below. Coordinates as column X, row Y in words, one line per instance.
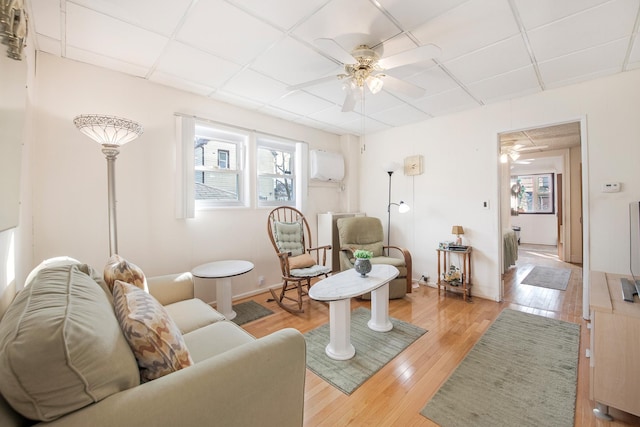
column 291, row 238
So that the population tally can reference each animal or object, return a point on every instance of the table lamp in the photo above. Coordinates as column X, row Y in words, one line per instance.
column 457, row 230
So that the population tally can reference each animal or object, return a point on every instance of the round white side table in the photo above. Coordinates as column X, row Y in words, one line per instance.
column 223, row 271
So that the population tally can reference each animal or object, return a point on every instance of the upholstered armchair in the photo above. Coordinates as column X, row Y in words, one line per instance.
column 366, row 232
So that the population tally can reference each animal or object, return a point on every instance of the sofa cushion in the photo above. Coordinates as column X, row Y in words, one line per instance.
column 61, row 347
column 215, row 339
column 192, row 314
column 153, row 336
column 118, row 268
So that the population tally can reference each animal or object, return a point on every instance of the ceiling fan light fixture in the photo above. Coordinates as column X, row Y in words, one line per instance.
column 374, row 83
column 504, row 158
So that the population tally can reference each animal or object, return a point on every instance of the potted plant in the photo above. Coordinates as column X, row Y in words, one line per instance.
column 363, row 261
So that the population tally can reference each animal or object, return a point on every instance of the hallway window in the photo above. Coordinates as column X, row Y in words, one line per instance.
column 535, row 193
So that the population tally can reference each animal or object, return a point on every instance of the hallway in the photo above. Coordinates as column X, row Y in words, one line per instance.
column 568, row 302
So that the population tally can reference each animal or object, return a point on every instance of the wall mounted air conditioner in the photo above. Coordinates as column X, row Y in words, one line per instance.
column 326, row 165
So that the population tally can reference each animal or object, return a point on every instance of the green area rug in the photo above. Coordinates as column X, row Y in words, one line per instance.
column 548, row 277
column 373, row 350
column 249, row 311
column 522, row 372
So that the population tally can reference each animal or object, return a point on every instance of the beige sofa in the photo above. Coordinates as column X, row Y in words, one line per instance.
column 235, row 379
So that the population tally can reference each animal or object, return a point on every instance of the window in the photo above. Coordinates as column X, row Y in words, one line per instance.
column 534, row 193
column 227, row 166
column 219, row 175
column 276, row 177
column 223, row 159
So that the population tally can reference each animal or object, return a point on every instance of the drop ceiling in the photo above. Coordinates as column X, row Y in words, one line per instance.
column 248, row 52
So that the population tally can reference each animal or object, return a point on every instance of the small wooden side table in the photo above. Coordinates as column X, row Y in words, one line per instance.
column 444, row 260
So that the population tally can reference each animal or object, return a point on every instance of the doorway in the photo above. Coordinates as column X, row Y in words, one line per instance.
column 547, row 232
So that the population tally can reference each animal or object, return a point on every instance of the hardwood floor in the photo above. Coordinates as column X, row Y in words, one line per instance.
column 395, row 395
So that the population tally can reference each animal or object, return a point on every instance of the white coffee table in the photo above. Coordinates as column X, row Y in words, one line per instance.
column 223, row 271
column 338, row 289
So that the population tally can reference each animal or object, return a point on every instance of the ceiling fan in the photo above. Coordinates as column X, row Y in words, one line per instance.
column 514, row 151
column 364, row 67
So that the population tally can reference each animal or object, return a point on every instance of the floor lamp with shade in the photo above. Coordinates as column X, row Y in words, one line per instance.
column 391, row 167
column 111, row 132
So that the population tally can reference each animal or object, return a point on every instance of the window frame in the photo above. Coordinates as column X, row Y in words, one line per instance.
column 226, row 159
column 227, row 135
column 282, row 145
column 535, row 193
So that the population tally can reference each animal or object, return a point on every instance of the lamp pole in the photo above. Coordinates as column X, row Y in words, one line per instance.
column 111, row 152
column 389, row 213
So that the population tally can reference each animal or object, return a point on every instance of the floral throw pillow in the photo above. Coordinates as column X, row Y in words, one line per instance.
column 118, row 268
column 153, row 336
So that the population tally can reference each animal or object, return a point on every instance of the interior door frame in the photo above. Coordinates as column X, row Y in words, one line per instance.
column 584, row 153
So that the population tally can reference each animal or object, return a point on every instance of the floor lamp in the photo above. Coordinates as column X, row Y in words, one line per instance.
column 402, row 206
column 112, row 133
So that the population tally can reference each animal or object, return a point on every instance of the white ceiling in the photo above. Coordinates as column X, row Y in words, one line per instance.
column 247, row 52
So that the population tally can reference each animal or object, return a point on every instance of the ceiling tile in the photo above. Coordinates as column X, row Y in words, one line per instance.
column 158, row 16
column 378, row 102
column 400, row 115
column 301, row 103
column 411, row 13
column 350, row 23
column 540, row 12
column 508, row 85
column 470, row 26
column 331, row 91
column 105, row 62
column 224, row 30
column 434, row 80
column 49, row 45
column 601, row 60
column 282, row 13
column 237, row 101
column 634, row 57
column 179, row 83
column 335, row 115
column 46, row 16
column 250, row 84
column 292, row 63
column 595, row 26
column 195, row 65
column 371, row 126
column 95, row 32
column 498, row 58
column 446, row 102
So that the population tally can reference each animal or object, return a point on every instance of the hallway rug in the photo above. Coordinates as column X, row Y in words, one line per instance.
column 249, row 311
column 548, row 277
column 522, row 372
column 373, row 350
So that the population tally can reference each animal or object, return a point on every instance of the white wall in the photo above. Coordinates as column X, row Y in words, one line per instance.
column 70, row 187
column 462, row 166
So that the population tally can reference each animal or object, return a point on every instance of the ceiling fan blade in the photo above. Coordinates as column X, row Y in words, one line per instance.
column 334, row 50
column 350, row 98
column 420, row 53
column 349, row 103
column 533, row 147
column 404, row 88
column 314, row 82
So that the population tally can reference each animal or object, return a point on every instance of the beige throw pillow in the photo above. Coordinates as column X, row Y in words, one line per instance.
column 118, row 268
column 153, row 336
column 301, row 261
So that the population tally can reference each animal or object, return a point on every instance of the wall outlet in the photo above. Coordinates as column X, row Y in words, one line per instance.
column 261, row 281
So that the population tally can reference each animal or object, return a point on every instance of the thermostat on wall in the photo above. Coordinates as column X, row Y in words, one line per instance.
column 611, row 187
